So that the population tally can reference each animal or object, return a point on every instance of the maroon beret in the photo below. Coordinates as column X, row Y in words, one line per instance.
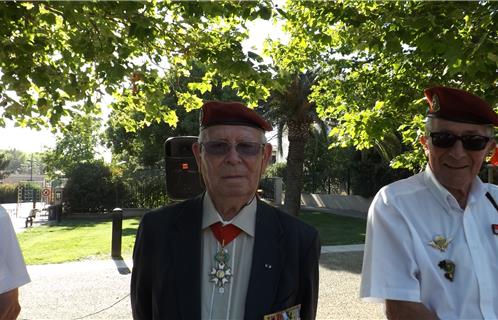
column 230, row 113
column 459, row 106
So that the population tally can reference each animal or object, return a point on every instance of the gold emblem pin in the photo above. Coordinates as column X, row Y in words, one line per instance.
column 435, row 103
column 440, row 243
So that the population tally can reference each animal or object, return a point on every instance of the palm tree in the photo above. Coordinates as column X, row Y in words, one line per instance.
column 291, row 109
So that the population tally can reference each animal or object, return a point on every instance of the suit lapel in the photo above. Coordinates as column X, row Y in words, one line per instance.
column 187, row 259
column 266, row 263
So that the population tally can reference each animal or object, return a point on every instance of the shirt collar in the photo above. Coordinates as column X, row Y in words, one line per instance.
column 446, row 199
column 245, row 219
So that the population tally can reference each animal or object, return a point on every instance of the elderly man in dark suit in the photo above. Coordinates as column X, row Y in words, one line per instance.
column 226, row 254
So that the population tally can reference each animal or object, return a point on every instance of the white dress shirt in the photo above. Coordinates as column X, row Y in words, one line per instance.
column 231, row 303
column 400, row 264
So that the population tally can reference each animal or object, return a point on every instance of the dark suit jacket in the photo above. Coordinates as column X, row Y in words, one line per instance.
column 165, row 282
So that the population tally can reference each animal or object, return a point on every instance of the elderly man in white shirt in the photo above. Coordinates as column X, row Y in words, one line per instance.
column 13, row 273
column 432, row 239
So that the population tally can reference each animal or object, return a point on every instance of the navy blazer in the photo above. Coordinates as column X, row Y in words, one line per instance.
column 166, row 276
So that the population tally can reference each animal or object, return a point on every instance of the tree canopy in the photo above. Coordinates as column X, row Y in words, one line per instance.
column 75, row 146
column 59, row 58
column 372, row 60
column 379, row 56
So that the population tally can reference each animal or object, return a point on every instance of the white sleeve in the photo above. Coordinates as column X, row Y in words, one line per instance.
column 389, row 267
column 13, row 273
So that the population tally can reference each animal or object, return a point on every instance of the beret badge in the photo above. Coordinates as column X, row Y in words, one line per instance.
column 435, row 103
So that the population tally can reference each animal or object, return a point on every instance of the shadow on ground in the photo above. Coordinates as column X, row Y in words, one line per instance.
column 343, row 261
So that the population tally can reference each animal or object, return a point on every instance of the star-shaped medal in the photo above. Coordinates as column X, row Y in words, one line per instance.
column 441, row 243
column 220, row 274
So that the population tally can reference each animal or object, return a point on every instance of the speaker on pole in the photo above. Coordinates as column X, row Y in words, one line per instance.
column 182, row 175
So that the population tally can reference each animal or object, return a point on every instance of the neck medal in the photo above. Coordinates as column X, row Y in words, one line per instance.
column 441, row 243
column 220, row 274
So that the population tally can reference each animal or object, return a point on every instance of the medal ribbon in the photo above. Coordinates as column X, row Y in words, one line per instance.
column 225, row 234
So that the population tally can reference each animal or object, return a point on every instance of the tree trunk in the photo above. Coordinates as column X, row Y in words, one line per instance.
column 298, row 135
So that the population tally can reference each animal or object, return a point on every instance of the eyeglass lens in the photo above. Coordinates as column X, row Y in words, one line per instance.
column 472, row 142
column 221, row 148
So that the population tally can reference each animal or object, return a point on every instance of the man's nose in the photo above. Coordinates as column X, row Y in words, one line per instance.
column 457, row 150
column 233, row 156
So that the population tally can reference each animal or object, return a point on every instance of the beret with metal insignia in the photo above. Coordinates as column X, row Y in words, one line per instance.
column 459, row 106
column 230, row 113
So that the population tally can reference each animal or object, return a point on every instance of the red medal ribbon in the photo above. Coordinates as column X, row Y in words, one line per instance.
column 225, row 234
column 494, row 228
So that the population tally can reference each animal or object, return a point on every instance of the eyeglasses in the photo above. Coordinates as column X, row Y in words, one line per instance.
column 473, row 142
column 221, row 148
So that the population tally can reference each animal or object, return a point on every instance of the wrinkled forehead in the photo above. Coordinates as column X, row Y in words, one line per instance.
column 232, row 132
column 460, row 127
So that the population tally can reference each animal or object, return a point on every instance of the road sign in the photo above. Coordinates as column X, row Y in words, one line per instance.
column 46, row 192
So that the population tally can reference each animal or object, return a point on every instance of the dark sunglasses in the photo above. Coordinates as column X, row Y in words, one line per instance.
column 472, row 142
column 221, row 148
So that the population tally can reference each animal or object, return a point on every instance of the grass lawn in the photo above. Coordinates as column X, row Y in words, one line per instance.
column 335, row 229
column 74, row 240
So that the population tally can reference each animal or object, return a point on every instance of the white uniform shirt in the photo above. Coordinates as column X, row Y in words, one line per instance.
column 13, row 273
column 399, row 263
column 230, row 304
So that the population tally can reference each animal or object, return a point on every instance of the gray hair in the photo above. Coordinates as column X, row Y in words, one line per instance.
column 429, row 125
column 202, row 135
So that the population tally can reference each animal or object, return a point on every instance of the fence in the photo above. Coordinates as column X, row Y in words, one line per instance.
column 145, row 188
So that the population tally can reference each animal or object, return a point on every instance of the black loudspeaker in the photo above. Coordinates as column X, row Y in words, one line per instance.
column 182, row 174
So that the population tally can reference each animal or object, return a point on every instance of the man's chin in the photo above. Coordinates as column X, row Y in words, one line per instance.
column 457, row 182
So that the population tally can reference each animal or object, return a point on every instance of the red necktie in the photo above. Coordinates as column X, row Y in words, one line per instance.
column 225, row 234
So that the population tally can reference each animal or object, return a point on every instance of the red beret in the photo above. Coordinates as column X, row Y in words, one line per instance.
column 231, row 113
column 459, row 106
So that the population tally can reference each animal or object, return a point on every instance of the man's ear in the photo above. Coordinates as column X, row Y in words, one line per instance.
column 424, row 142
column 491, row 148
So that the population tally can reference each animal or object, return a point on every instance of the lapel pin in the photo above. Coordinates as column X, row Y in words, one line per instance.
column 494, row 228
column 449, row 267
column 441, row 243
column 267, row 266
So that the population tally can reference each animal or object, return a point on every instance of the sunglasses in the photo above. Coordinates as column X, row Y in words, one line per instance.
column 473, row 142
column 221, row 148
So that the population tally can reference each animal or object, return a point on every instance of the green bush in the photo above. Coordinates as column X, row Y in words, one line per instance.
column 89, row 188
column 8, row 193
column 278, row 169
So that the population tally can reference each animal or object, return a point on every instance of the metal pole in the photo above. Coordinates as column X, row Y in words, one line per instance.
column 117, row 232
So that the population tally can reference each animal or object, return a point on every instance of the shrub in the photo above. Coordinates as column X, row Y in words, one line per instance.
column 8, row 193
column 89, row 188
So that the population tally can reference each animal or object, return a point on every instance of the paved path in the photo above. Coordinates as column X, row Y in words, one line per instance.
column 99, row 289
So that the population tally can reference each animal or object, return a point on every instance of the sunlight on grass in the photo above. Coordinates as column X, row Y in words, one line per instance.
column 74, row 240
